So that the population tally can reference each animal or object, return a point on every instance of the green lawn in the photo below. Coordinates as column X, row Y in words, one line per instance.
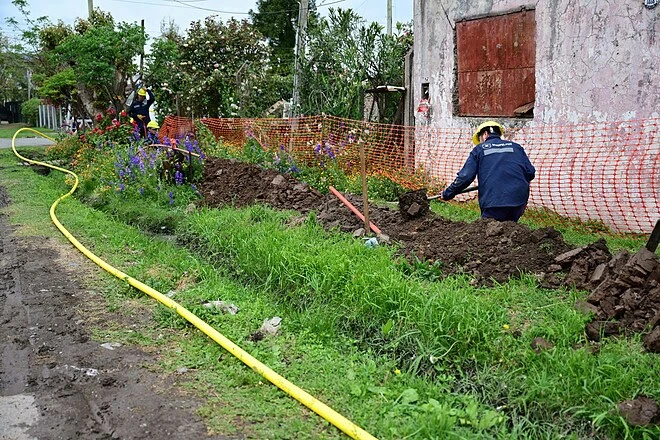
column 7, row 131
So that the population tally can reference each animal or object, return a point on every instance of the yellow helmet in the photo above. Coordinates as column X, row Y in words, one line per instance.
column 475, row 136
column 142, row 92
column 153, row 124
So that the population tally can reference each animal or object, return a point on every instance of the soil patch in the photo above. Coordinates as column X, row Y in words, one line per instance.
column 55, row 382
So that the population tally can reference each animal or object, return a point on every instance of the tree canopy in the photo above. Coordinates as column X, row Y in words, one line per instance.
column 215, row 68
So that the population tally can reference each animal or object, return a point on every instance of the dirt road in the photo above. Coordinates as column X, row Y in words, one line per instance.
column 55, row 381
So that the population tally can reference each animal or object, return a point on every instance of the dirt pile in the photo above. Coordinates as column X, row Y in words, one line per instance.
column 230, row 182
column 624, row 298
column 625, row 291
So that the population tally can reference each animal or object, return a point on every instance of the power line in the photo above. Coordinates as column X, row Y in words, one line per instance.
column 185, row 4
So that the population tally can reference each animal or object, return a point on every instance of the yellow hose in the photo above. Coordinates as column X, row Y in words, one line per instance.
column 332, row 416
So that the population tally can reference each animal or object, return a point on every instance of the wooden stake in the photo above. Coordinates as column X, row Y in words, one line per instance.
column 365, row 196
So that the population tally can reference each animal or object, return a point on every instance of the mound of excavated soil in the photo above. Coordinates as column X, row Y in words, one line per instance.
column 625, row 294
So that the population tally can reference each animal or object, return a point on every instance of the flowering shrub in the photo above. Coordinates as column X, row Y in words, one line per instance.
column 112, row 160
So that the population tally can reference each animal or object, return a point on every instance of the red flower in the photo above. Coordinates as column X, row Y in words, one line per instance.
column 123, row 113
column 98, row 117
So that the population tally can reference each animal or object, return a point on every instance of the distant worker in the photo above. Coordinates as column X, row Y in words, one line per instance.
column 139, row 109
column 503, row 170
column 152, row 134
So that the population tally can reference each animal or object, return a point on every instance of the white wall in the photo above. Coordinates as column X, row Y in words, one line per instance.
column 596, row 60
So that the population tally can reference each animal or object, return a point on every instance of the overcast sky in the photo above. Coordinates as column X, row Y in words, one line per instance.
column 182, row 12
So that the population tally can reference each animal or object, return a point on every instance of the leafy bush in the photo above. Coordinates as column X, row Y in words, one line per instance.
column 30, row 110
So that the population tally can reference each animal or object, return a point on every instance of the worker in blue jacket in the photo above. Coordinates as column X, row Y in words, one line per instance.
column 139, row 109
column 503, row 170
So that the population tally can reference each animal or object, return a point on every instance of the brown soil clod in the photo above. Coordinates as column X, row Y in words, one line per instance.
column 641, row 411
column 414, row 204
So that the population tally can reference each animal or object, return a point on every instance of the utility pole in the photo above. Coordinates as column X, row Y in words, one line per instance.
column 303, row 12
column 29, row 83
column 389, row 17
column 90, row 7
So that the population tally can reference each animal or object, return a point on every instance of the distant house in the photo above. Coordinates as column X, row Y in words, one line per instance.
column 549, row 62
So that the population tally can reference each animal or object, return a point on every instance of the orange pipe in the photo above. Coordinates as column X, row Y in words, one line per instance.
column 353, row 208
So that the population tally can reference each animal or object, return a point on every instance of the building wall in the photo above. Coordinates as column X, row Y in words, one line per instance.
column 596, row 60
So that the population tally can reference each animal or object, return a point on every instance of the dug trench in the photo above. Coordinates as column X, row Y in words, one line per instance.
column 624, row 289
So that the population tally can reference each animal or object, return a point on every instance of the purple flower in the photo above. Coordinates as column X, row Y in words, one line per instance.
column 329, row 152
column 178, row 177
column 171, row 198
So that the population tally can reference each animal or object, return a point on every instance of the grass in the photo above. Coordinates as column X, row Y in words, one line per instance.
column 7, row 131
column 402, row 357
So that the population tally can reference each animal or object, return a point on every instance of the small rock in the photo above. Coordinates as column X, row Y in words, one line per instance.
column 597, row 275
column 382, row 238
column 567, row 256
column 494, row 229
column 644, row 261
column 278, row 180
column 586, row 307
column 225, row 307
column 358, row 233
column 271, row 326
column 414, row 209
column 554, row 268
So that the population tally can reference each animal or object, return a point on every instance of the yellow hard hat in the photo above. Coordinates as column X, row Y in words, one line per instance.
column 153, row 124
column 142, row 92
column 475, row 136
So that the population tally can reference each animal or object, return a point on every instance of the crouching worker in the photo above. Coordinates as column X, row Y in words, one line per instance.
column 152, row 134
column 503, row 170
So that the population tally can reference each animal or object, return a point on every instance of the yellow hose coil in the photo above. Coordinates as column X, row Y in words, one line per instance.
column 332, row 416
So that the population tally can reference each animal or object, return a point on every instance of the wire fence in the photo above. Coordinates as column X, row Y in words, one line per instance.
column 602, row 177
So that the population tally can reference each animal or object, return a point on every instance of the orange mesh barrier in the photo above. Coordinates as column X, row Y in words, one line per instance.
column 588, row 175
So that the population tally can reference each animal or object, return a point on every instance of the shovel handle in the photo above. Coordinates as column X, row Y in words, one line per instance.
column 466, row 190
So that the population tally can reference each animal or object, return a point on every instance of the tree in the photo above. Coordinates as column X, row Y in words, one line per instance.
column 217, row 70
column 277, row 20
column 13, row 72
column 89, row 66
column 345, row 57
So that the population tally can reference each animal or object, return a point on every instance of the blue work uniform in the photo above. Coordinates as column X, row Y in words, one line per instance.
column 142, row 108
column 504, row 172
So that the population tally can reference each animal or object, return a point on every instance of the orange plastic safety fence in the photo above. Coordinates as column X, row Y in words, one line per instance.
column 594, row 176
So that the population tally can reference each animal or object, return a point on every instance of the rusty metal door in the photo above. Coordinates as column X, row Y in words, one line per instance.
column 496, row 64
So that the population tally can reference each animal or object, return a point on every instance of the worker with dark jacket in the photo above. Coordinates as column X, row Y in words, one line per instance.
column 503, row 170
column 139, row 110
